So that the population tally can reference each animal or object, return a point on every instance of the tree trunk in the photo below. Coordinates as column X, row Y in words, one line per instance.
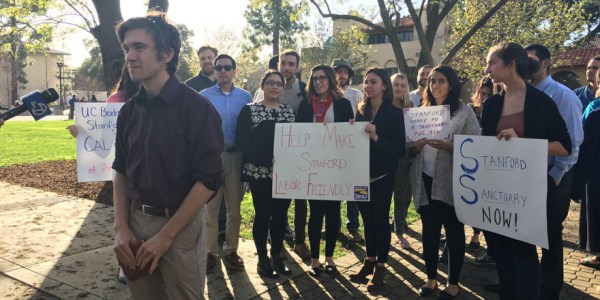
column 277, row 27
column 14, row 66
column 109, row 14
column 159, row 5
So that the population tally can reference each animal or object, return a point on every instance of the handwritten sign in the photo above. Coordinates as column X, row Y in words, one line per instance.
column 431, row 122
column 500, row 186
column 321, row 162
column 97, row 125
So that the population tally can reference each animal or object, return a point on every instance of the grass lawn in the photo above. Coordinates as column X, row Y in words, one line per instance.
column 31, row 142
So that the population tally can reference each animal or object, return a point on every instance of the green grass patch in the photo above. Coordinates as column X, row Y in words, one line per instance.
column 31, row 142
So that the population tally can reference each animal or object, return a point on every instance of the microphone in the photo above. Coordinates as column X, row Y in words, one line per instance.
column 35, row 102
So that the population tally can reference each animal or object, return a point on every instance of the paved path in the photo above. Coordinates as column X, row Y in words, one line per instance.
column 59, row 247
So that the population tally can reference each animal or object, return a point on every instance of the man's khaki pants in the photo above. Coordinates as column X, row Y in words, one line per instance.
column 233, row 190
column 181, row 271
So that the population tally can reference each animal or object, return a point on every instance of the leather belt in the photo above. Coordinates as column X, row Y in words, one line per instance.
column 230, row 149
column 154, row 211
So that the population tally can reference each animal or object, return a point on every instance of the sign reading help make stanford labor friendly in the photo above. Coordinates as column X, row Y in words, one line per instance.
column 500, row 186
column 97, row 125
column 431, row 122
column 321, row 162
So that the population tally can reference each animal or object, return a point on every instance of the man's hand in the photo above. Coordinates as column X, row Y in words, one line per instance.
column 418, row 145
column 507, row 134
column 441, row 145
column 152, row 250
column 122, row 249
column 73, row 130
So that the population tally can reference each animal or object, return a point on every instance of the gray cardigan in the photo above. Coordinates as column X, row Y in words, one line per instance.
column 464, row 122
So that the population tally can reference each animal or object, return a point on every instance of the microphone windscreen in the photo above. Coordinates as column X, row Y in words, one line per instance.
column 50, row 95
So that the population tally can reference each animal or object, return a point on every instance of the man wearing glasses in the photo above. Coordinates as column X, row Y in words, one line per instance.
column 228, row 100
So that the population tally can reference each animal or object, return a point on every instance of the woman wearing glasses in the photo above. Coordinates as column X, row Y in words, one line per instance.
column 255, row 133
column 386, row 137
column 325, row 104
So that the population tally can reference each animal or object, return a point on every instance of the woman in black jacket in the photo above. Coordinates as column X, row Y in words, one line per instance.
column 325, row 104
column 387, row 136
column 520, row 111
column 255, row 134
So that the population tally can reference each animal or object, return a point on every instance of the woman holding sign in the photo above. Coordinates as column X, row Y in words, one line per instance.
column 402, row 192
column 386, row 134
column 431, row 181
column 520, row 111
column 255, row 135
column 325, row 104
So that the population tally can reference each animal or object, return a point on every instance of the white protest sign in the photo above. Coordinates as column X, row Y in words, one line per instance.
column 431, row 122
column 321, row 162
column 97, row 125
column 500, row 186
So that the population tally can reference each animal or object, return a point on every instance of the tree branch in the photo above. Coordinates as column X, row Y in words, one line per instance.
column 472, row 31
column 422, row 8
column 334, row 17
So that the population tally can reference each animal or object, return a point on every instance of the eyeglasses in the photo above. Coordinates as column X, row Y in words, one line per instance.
column 321, row 78
column 272, row 83
column 220, row 68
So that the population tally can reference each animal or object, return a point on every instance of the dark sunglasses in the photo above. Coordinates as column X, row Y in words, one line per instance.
column 225, row 67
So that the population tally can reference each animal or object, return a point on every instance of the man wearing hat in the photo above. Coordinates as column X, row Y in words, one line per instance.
column 344, row 74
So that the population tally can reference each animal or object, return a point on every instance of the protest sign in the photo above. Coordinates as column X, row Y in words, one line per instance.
column 97, row 125
column 500, row 186
column 321, row 162
column 430, row 122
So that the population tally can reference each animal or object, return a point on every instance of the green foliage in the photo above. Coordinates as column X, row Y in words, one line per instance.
column 23, row 29
column 90, row 76
column 349, row 44
column 551, row 23
column 188, row 60
column 30, row 142
column 264, row 19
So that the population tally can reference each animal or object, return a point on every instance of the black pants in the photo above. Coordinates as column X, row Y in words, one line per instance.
column 559, row 198
column 333, row 222
column 376, row 215
column 269, row 214
column 300, row 213
column 518, row 267
column 433, row 216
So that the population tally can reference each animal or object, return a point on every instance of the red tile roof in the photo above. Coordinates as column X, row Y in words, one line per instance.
column 575, row 57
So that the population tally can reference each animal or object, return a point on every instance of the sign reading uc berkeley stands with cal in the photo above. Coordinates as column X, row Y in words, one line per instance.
column 97, row 125
column 321, row 162
column 500, row 186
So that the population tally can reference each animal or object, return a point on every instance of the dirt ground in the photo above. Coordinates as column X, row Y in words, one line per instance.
column 59, row 177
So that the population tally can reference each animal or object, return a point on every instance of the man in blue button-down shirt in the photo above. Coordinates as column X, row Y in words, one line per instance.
column 560, row 172
column 228, row 100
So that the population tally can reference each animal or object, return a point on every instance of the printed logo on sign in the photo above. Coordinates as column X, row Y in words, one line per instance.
column 361, row 193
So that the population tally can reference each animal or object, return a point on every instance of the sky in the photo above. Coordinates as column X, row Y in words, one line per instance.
column 202, row 18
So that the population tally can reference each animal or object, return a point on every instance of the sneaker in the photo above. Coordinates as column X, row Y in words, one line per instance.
column 302, row 251
column 484, row 260
column 474, row 247
column 355, row 237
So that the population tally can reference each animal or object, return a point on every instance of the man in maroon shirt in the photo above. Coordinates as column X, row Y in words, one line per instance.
column 167, row 166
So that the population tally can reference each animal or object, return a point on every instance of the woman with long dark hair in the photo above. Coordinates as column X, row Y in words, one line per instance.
column 325, row 104
column 431, row 182
column 255, row 135
column 520, row 111
column 386, row 134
